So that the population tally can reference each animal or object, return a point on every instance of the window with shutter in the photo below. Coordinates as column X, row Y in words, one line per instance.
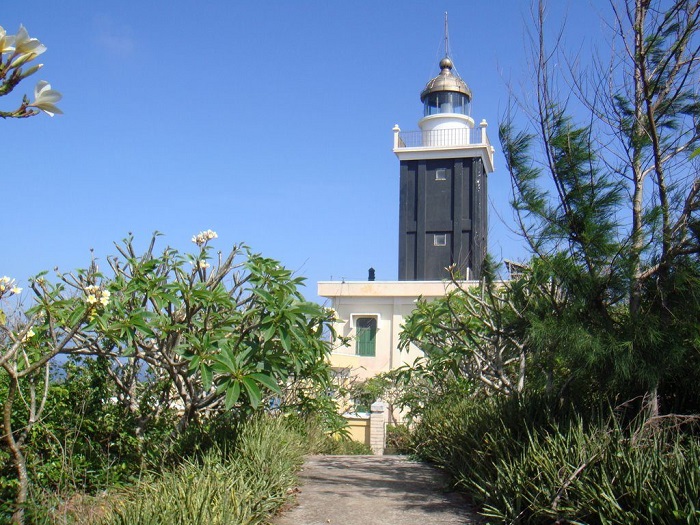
column 365, row 337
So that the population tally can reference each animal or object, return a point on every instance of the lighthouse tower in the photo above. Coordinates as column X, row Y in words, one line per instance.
column 443, row 196
column 442, row 222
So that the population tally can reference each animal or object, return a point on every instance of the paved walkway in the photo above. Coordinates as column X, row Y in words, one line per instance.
column 374, row 490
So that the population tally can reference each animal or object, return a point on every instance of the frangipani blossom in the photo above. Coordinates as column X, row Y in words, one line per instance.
column 96, row 296
column 45, row 98
column 7, row 284
column 30, row 333
column 7, row 42
column 26, row 45
column 202, row 237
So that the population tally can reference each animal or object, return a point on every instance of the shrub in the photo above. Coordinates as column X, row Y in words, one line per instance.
column 344, row 447
column 398, row 439
column 529, row 461
column 243, row 487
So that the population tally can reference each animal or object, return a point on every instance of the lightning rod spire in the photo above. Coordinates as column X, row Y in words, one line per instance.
column 447, row 37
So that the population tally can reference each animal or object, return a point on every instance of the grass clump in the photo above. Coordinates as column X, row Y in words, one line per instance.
column 524, row 464
column 244, row 486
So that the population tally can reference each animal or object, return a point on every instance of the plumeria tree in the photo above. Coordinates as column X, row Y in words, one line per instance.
column 17, row 54
column 183, row 338
column 470, row 336
column 201, row 333
column 28, row 343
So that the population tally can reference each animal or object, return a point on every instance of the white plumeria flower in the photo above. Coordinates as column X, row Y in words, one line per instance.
column 7, row 42
column 8, row 284
column 204, row 264
column 28, row 335
column 26, row 45
column 45, row 98
column 203, row 237
column 104, row 297
column 91, row 299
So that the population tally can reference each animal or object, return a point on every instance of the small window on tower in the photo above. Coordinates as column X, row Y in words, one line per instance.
column 440, row 239
column 441, row 174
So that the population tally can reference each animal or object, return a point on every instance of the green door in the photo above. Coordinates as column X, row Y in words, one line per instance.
column 366, row 342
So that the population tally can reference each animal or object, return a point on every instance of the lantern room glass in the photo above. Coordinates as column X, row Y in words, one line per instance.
column 446, row 102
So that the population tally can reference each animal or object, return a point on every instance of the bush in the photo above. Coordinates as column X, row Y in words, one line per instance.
column 527, row 460
column 599, row 475
column 243, row 487
column 398, row 439
column 343, row 447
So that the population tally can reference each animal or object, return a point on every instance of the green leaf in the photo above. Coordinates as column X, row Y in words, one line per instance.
column 269, row 331
column 307, row 308
column 286, row 343
column 225, row 359
column 268, row 381
column 263, row 294
column 253, row 391
column 232, row 394
column 206, row 376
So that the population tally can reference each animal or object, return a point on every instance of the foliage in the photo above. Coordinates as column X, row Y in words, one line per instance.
column 607, row 305
column 608, row 207
column 529, row 460
column 28, row 344
column 469, row 335
column 210, row 339
column 246, row 483
column 398, row 439
column 244, row 487
column 165, row 351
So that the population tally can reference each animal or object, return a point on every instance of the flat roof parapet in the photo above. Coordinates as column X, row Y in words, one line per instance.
column 386, row 288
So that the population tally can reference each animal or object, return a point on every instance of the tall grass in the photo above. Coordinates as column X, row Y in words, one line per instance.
column 242, row 487
column 520, row 464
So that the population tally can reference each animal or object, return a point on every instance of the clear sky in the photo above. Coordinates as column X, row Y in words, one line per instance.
column 268, row 122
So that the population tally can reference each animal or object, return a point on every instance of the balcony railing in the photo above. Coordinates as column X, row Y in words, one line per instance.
column 443, row 138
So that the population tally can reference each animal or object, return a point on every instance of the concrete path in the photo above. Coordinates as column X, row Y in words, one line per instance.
column 374, row 490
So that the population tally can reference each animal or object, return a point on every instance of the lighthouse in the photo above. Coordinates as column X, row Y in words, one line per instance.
column 443, row 173
column 444, row 169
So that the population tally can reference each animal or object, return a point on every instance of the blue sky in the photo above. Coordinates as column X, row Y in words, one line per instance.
column 268, row 122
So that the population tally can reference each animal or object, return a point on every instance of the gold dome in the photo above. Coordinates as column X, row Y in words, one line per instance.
column 446, row 81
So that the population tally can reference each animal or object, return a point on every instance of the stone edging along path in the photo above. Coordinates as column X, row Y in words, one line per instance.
column 374, row 490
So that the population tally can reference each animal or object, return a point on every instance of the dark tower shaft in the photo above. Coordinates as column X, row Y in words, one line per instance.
column 443, row 196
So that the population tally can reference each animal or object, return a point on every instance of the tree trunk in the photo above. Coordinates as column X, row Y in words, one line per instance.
column 18, row 458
